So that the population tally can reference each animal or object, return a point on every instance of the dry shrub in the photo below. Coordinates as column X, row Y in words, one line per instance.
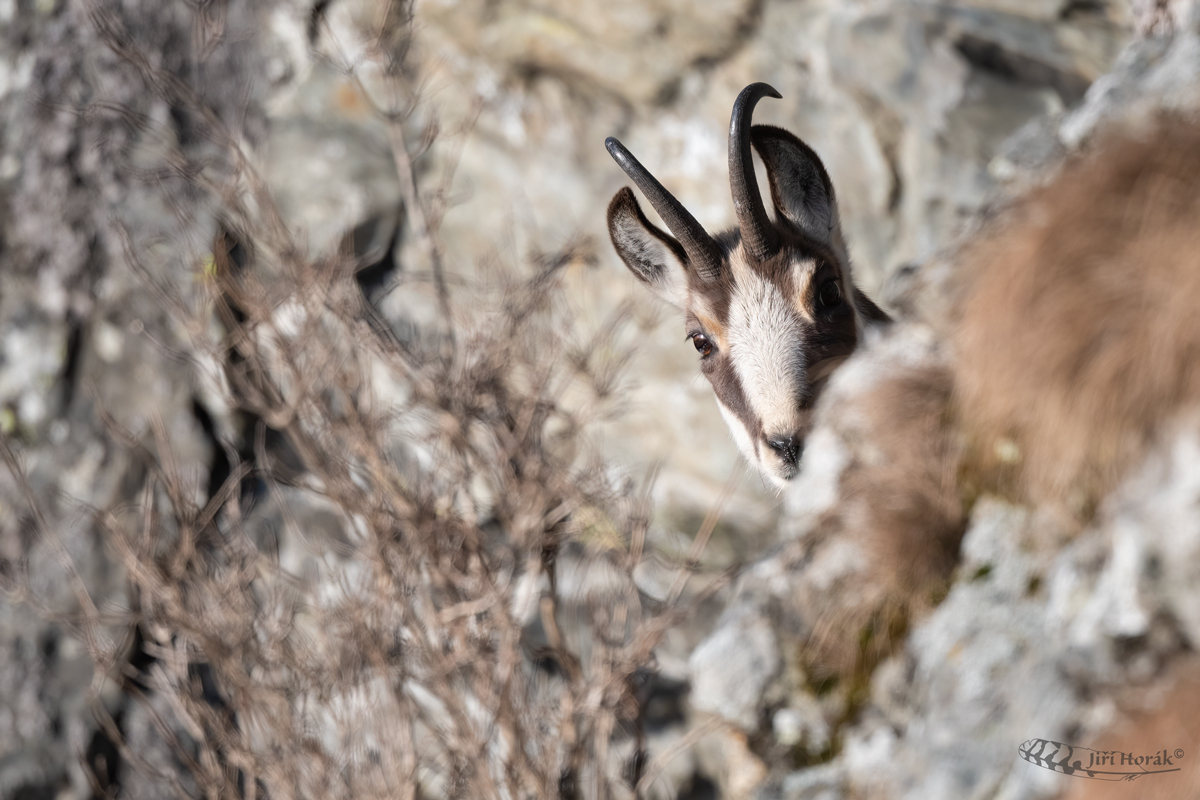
column 398, row 659
column 1079, row 333
column 370, row 603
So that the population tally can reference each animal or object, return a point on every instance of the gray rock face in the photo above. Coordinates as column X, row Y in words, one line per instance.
column 634, row 51
column 924, row 112
column 732, row 668
column 906, row 103
column 1038, row 631
column 1030, row 644
column 90, row 359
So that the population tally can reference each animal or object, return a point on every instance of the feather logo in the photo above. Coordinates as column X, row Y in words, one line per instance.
column 1102, row 765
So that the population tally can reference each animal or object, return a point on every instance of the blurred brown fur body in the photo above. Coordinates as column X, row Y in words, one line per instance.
column 1079, row 332
column 899, row 511
column 1076, row 336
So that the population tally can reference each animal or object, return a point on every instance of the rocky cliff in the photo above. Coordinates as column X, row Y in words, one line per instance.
column 344, row 457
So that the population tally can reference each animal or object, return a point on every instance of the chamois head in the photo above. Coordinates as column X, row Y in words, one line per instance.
column 770, row 305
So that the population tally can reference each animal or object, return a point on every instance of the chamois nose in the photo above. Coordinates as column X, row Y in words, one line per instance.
column 787, row 446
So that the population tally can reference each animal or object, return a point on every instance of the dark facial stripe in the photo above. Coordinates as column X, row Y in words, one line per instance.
column 728, row 388
column 828, row 335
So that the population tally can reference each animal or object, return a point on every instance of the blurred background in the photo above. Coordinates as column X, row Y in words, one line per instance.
column 909, row 104
column 118, row 121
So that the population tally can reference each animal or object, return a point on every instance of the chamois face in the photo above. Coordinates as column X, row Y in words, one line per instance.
column 770, row 306
column 768, row 339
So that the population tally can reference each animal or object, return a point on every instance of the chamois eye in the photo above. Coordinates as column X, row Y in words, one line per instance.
column 703, row 345
column 830, row 294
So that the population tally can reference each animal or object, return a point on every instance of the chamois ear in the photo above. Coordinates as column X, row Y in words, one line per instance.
column 800, row 186
column 655, row 257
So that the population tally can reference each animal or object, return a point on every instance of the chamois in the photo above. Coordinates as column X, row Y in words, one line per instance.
column 771, row 306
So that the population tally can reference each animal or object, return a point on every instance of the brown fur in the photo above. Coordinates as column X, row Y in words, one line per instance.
column 714, row 329
column 1080, row 331
column 901, row 508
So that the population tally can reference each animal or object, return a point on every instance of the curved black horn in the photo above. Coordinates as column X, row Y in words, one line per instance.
column 702, row 250
column 757, row 231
